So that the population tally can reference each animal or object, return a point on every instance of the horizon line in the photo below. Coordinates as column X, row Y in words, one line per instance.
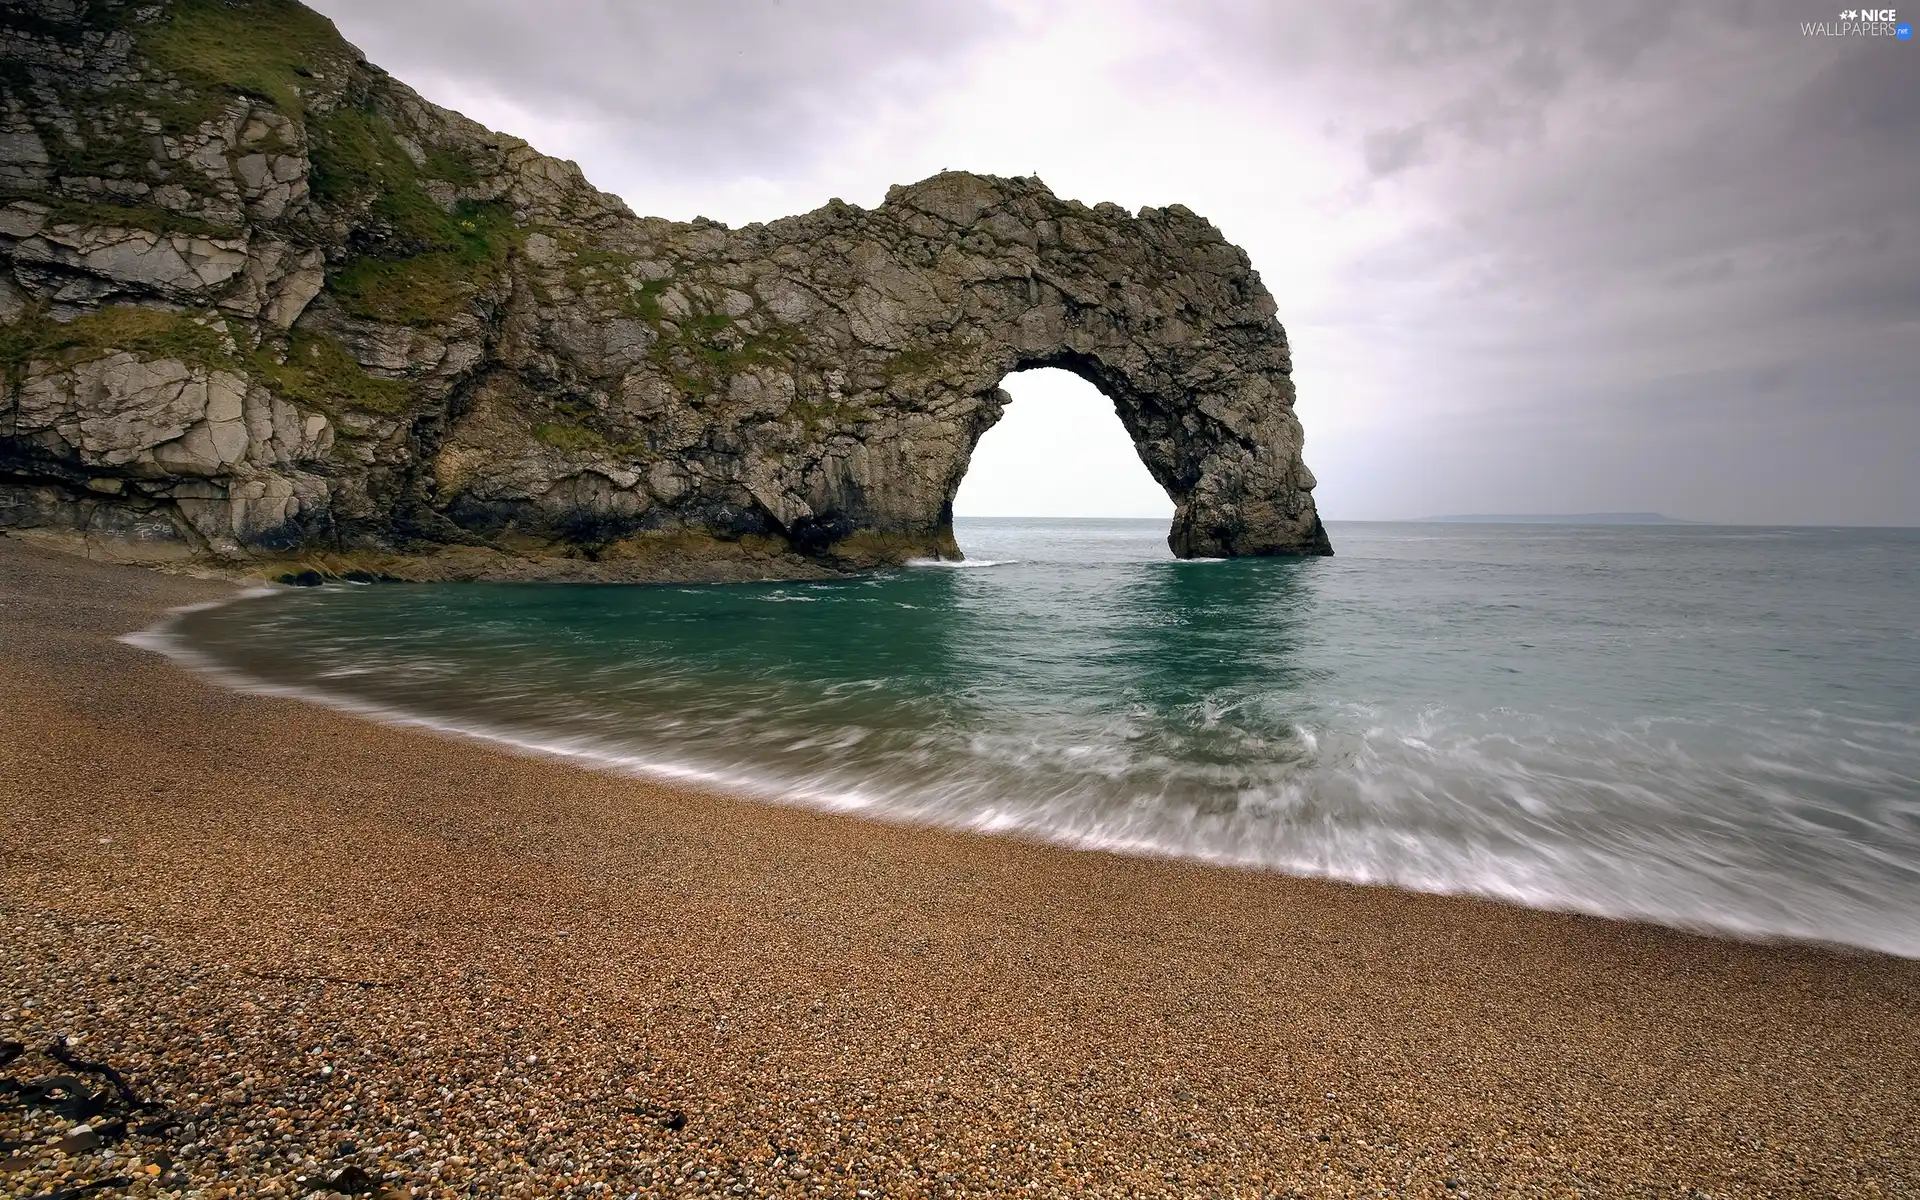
column 1465, row 519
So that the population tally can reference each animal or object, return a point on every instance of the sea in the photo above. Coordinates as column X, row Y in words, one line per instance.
column 1716, row 728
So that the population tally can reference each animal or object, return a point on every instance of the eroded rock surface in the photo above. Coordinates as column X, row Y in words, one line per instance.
column 279, row 306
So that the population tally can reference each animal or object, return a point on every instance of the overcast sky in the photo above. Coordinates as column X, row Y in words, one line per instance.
column 1533, row 257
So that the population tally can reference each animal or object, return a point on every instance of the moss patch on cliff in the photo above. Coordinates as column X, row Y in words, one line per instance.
column 105, row 135
column 444, row 164
column 571, row 438
column 590, row 264
column 358, row 160
column 423, row 290
column 422, row 263
column 816, row 416
column 142, row 332
column 702, row 352
column 320, row 373
column 124, row 216
column 427, row 288
column 645, row 302
column 608, row 277
column 922, row 361
column 107, row 145
column 259, row 48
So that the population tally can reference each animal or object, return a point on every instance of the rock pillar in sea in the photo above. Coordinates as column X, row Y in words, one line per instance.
column 301, row 315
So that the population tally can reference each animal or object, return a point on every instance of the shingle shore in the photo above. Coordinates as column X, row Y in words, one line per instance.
column 324, row 944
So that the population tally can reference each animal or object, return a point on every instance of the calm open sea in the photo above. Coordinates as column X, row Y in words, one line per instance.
column 1706, row 726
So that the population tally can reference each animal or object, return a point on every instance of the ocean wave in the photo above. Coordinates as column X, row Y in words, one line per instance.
column 164, row 636
column 1502, row 731
column 1537, row 822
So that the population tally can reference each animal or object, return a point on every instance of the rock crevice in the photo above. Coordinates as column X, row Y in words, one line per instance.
column 273, row 304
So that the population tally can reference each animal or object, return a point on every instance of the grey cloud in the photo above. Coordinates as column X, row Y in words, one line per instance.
column 1656, row 225
column 1476, row 72
column 1536, row 73
column 1398, row 36
column 710, row 89
column 1777, row 161
column 1872, row 96
column 1620, row 33
column 1768, row 380
column 1390, row 151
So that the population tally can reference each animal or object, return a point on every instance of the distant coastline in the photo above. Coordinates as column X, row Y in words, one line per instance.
column 1598, row 518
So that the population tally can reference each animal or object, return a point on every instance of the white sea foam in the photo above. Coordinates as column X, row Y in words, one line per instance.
column 162, row 638
column 586, row 752
column 1538, row 872
column 1283, row 826
column 1135, row 734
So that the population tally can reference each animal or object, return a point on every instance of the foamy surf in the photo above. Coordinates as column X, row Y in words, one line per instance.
column 161, row 637
column 1470, row 730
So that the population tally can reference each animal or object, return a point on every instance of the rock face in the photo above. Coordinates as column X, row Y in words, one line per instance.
column 261, row 302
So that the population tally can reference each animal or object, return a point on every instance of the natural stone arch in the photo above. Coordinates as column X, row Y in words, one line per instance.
column 449, row 356
column 973, row 278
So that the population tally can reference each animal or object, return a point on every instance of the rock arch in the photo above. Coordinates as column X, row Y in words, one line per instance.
column 963, row 279
column 447, row 355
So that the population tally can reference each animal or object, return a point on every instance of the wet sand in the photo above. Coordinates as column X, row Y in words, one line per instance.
column 323, row 943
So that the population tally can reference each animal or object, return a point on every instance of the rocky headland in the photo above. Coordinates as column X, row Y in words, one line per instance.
column 266, row 308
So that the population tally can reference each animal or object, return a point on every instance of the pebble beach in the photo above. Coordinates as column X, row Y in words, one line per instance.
column 297, row 953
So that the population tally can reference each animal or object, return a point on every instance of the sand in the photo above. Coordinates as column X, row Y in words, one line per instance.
column 327, row 944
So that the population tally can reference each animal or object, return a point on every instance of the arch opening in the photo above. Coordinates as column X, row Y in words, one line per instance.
column 1059, row 449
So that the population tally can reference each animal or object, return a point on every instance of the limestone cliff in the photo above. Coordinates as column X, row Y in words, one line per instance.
column 262, row 303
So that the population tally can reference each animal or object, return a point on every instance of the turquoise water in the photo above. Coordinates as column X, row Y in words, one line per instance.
column 1704, row 726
